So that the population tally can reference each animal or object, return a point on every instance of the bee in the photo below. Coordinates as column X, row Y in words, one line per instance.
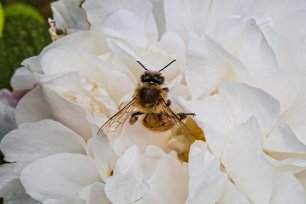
column 150, row 100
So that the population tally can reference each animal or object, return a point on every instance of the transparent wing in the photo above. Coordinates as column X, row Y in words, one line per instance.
column 179, row 130
column 112, row 128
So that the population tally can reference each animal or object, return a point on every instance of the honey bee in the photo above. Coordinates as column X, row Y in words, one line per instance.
column 150, row 100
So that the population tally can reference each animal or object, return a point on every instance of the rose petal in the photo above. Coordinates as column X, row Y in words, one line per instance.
column 32, row 107
column 233, row 195
column 33, row 64
column 213, row 116
column 302, row 178
column 69, row 15
column 235, row 104
column 286, row 188
column 199, row 17
column 245, row 40
column 236, row 70
column 159, row 15
column 282, row 139
column 172, row 44
column 252, row 101
column 245, row 162
column 132, row 30
column 154, row 57
column 204, row 65
column 124, row 20
column 177, row 90
column 127, row 184
column 175, row 23
column 192, row 19
column 94, row 194
column 22, row 79
column 112, row 87
column 72, row 59
column 71, row 172
column 138, row 134
column 288, row 51
column 103, row 154
column 163, row 182
column 206, row 181
column 291, row 165
column 31, row 141
column 294, row 117
column 147, row 178
column 70, row 114
column 90, row 41
column 232, row 99
column 279, row 83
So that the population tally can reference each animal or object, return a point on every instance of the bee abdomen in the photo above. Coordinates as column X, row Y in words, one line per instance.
column 156, row 122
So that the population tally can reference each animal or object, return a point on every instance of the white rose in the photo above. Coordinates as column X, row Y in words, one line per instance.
column 236, row 69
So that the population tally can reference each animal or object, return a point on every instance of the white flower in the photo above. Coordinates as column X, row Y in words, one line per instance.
column 68, row 17
column 21, row 82
column 238, row 68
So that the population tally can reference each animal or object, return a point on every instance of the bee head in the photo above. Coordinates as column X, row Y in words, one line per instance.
column 152, row 77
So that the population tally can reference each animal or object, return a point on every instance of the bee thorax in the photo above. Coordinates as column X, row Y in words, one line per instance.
column 149, row 95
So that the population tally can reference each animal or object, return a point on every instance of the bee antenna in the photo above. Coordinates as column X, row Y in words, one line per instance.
column 142, row 65
column 167, row 65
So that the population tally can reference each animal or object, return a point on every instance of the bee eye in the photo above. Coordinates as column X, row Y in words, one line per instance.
column 159, row 79
column 146, row 78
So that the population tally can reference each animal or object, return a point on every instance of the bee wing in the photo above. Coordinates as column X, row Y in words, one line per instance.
column 179, row 130
column 112, row 128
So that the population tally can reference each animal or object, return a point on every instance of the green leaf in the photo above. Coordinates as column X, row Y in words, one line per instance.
column 18, row 9
column 1, row 20
column 23, row 37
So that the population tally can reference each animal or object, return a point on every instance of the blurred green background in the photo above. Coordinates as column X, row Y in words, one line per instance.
column 23, row 33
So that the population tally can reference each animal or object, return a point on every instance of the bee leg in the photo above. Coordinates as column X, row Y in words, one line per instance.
column 168, row 103
column 182, row 116
column 134, row 117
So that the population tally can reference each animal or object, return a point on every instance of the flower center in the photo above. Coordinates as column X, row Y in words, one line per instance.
column 197, row 134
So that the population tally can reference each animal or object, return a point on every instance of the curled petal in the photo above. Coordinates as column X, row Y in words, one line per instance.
column 206, row 67
column 282, row 139
column 94, row 194
column 22, row 79
column 33, row 107
column 286, row 188
column 71, row 172
column 147, row 178
column 245, row 162
column 207, row 182
column 233, row 195
column 132, row 22
column 69, row 15
column 31, row 141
